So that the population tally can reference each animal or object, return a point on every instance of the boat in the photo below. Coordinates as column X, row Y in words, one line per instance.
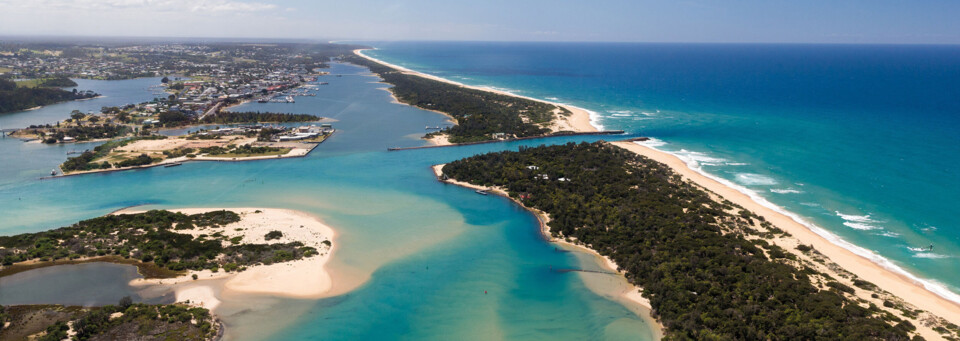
column 53, row 172
column 481, row 192
column 324, row 83
column 173, row 165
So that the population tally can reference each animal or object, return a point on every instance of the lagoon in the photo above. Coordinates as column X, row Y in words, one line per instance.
column 414, row 256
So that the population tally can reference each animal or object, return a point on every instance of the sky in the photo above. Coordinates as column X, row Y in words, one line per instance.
column 769, row 21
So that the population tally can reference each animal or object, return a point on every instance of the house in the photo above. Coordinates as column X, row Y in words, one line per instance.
column 533, row 167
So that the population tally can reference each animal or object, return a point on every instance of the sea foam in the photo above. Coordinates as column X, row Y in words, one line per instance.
column 753, row 179
column 858, row 222
column 931, row 285
column 785, row 191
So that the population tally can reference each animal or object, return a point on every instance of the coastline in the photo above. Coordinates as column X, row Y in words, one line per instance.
column 306, row 278
column 908, row 289
column 630, row 296
column 580, row 119
column 876, row 269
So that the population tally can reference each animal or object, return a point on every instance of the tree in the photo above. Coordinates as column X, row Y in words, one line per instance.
column 165, row 80
column 125, row 302
column 77, row 115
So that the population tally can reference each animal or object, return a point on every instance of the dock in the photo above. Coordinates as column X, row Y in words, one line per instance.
column 604, row 132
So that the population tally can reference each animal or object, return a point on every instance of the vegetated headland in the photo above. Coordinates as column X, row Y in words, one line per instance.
column 710, row 268
column 18, row 97
column 477, row 114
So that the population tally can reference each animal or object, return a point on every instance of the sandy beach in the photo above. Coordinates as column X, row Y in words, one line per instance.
column 304, row 278
column 579, row 119
column 898, row 285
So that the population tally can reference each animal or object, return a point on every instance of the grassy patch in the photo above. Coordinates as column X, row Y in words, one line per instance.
column 29, row 83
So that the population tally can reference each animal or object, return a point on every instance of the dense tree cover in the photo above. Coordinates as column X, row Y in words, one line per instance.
column 173, row 118
column 703, row 277
column 84, row 133
column 132, row 321
column 13, row 98
column 227, row 117
column 479, row 114
column 57, row 82
column 150, row 237
column 140, row 160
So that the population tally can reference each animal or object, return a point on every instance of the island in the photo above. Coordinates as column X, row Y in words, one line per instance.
column 129, row 147
column 169, row 247
column 707, row 267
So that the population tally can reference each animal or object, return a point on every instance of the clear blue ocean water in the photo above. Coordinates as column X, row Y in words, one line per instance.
column 861, row 141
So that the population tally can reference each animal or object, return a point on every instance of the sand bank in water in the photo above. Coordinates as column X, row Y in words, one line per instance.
column 304, row 278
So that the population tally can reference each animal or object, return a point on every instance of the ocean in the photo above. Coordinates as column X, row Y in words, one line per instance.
column 858, row 141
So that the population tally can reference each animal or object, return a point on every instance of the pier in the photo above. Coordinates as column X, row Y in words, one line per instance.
column 604, row 132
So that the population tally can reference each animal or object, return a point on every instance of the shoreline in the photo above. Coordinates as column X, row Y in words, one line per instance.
column 874, row 268
column 900, row 285
column 307, row 278
column 580, row 119
column 630, row 295
column 293, row 153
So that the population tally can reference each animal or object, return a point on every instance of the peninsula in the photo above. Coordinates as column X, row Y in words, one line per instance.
column 478, row 114
column 708, row 266
column 15, row 97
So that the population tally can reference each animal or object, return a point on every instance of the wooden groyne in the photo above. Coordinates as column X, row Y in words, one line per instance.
column 605, row 132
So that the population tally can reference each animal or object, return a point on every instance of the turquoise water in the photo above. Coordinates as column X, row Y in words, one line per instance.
column 858, row 140
column 420, row 254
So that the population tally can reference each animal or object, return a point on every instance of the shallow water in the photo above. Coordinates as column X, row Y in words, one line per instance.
column 419, row 254
column 859, row 140
column 90, row 284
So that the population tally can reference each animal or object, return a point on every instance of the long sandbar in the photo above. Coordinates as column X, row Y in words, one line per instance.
column 580, row 119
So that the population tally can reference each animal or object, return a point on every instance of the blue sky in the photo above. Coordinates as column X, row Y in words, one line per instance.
column 811, row 21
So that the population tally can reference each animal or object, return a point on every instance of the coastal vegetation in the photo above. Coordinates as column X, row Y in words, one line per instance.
column 58, row 82
column 86, row 160
column 83, row 133
column 705, row 266
column 155, row 238
column 231, row 117
column 16, row 98
column 480, row 115
column 123, row 321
